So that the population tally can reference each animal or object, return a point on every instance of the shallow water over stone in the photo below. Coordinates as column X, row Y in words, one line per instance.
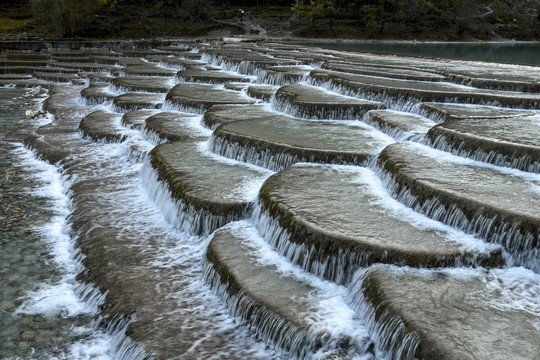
column 179, row 249
column 40, row 316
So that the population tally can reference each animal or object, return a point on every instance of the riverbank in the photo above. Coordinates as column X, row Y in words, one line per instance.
column 471, row 20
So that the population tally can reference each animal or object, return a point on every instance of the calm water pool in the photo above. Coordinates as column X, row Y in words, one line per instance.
column 526, row 53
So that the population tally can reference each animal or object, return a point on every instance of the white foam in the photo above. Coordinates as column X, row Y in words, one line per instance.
column 333, row 313
column 512, row 289
column 397, row 209
column 62, row 297
column 443, row 156
column 203, row 148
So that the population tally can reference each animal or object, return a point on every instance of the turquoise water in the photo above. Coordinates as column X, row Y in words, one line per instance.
column 525, row 53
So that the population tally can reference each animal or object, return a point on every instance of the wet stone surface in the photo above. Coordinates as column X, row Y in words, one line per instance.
column 57, row 77
column 468, row 315
column 175, row 126
column 209, row 76
column 200, row 97
column 224, row 114
column 149, row 70
column 384, row 71
column 311, row 102
column 142, row 83
column 498, row 206
column 97, row 93
column 449, row 112
column 138, row 100
column 262, row 92
column 400, row 94
column 26, row 259
column 354, row 226
column 512, row 142
column 136, row 119
column 102, row 126
column 276, row 299
column 236, row 86
column 177, row 62
column 278, row 141
column 185, row 168
column 400, row 125
column 283, row 75
column 138, row 214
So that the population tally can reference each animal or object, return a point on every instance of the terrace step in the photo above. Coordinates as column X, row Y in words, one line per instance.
column 236, row 86
column 512, row 142
column 115, row 60
column 501, row 206
column 189, row 171
column 103, row 126
column 262, row 92
column 383, row 71
column 283, row 75
column 138, row 100
column 136, row 119
column 400, row 125
column 143, row 83
column 209, row 76
column 401, row 94
column 441, row 112
column 276, row 141
column 97, row 93
column 15, row 77
column 177, row 62
column 200, row 97
column 170, row 126
column 461, row 315
column 333, row 220
column 223, row 114
column 278, row 306
column 148, row 69
column 313, row 102
column 244, row 61
column 86, row 66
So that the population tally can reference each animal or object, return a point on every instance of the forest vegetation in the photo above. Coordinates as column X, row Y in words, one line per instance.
column 361, row 19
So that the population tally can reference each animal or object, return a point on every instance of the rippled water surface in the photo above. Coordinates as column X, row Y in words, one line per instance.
column 40, row 316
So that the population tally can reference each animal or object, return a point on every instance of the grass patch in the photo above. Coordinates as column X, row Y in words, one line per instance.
column 8, row 25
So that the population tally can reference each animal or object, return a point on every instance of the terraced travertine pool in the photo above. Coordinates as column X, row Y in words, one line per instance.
column 259, row 200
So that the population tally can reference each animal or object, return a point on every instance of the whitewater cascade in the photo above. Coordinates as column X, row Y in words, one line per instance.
column 259, row 200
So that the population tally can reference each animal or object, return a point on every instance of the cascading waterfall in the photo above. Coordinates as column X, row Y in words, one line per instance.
column 153, row 137
column 394, row 132
column 283, row 104
column 338, row 266
column 521, row 244
column 398, row 101
column 270, row 77
column 190, row 109
column 180, row 215
column 70, row 298
column 295, row 343
column 252, row 154
column 343, row 336
column 163, row 248
column 463, row 148
column 389, row 332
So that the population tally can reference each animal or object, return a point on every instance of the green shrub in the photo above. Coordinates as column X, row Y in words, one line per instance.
column 65, row 17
